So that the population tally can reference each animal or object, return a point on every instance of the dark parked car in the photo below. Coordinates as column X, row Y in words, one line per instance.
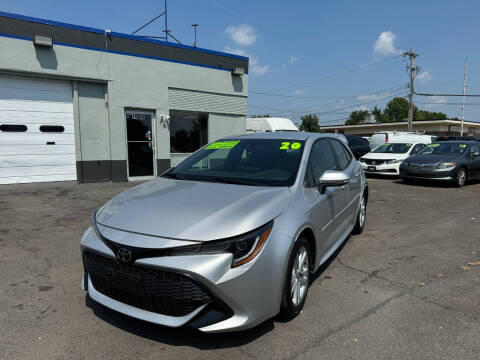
column 454, row 161
column 358, row 145
column 459, row 138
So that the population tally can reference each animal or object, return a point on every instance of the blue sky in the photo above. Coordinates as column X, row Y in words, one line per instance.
column 324, row 57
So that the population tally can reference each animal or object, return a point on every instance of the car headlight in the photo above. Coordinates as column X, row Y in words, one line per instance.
column 244, row 248
column 446, row 165
column 394, row 161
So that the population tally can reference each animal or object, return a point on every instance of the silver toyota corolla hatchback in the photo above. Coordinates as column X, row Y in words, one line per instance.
column 231, row 236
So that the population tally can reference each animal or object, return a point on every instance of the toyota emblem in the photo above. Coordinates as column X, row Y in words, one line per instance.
column 124, row 255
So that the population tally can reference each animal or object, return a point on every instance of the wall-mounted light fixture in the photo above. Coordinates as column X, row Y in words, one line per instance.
column 238, row 70
column 42, row 40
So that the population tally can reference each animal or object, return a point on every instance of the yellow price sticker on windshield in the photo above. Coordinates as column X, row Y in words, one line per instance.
column 409, row 145
column 223, row 144
column 433, row 145
column 286, row 145
column 463, row 145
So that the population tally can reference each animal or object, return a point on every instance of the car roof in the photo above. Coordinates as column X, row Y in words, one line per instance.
column 293, row 135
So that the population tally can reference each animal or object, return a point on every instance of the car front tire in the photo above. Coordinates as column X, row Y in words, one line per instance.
column 461, row 177
column 297, row 280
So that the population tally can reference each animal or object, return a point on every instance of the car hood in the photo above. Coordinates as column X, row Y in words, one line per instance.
column 431, row 159
column 384, row 156
column 193, row 210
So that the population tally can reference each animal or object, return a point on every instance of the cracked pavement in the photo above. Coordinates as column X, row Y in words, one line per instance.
column 402, row 289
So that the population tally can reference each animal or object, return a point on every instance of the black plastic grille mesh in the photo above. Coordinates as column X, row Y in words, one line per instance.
column 146, row 288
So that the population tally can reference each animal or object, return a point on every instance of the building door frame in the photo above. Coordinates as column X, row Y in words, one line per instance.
column 153, row 143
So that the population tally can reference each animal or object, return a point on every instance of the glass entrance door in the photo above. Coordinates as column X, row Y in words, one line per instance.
column 140, row 144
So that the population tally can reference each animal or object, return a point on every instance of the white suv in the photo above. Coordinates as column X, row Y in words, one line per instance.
column 386, row 158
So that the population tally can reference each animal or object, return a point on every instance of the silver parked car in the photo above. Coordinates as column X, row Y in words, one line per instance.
column 231, row 236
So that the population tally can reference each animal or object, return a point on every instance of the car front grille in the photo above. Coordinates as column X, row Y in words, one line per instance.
column 159, row 291
column 375, row 162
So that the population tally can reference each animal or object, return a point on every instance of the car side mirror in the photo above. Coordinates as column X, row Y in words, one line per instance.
column 332, row 178
column 475, row 154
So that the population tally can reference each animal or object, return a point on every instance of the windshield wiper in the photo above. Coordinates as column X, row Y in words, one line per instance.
column 225, row 180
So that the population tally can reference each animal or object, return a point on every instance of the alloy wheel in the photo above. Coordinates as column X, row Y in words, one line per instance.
column 300, row 277
column 461, row 177
column 363, row 212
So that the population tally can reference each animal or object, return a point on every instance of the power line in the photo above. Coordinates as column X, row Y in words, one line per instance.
column 447, row 103
column 332, row 111
column 364, row 67
column 466, row 95
column 312, row 97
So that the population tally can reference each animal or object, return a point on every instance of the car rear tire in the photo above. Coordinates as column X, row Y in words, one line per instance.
column 297, row 280
column 361, row 217
column 461, row 177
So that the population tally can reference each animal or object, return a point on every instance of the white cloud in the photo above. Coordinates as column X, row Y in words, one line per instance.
column 435, row 101
column 361, row 108
column 384, row 45
column 298, row 92
column 293, row 59
column 255, row 66
column 425, row 76
column 242, row 34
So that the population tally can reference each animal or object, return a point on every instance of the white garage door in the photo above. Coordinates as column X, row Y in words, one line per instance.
column 37, row 141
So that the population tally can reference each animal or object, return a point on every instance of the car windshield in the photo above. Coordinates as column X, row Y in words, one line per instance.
column 258, row 162
column 445, row 148
column 393, row 148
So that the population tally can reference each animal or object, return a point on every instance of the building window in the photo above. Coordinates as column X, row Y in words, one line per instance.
column 188, row 131
column 13, row 128
column 52, row 128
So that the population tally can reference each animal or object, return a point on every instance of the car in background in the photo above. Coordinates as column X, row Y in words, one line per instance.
column 459, row 138
column 269, row 124
column 386, row 158
column 229, row 237
column 452, row 161
column 358, row 145
column 380, row 138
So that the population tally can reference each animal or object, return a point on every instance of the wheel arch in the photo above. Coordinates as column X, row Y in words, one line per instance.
column 308, row 234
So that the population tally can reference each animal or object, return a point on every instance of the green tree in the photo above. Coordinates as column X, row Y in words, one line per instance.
column 423, row 115
column 310, row 123
column 397, row 110
column 377, row 112
column 356, row 117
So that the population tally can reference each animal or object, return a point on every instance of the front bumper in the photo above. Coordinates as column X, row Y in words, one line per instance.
column 428, row 173
column 241, row 297
column 383, row 169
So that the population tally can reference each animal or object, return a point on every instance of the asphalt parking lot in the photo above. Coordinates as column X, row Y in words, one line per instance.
column 408, row 287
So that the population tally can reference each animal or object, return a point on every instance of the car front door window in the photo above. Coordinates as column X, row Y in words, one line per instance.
column 321, row 159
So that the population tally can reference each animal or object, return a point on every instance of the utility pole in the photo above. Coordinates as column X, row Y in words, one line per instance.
column 195, row 31
column 464, row 92
column 166, row 22
column 413, row 70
